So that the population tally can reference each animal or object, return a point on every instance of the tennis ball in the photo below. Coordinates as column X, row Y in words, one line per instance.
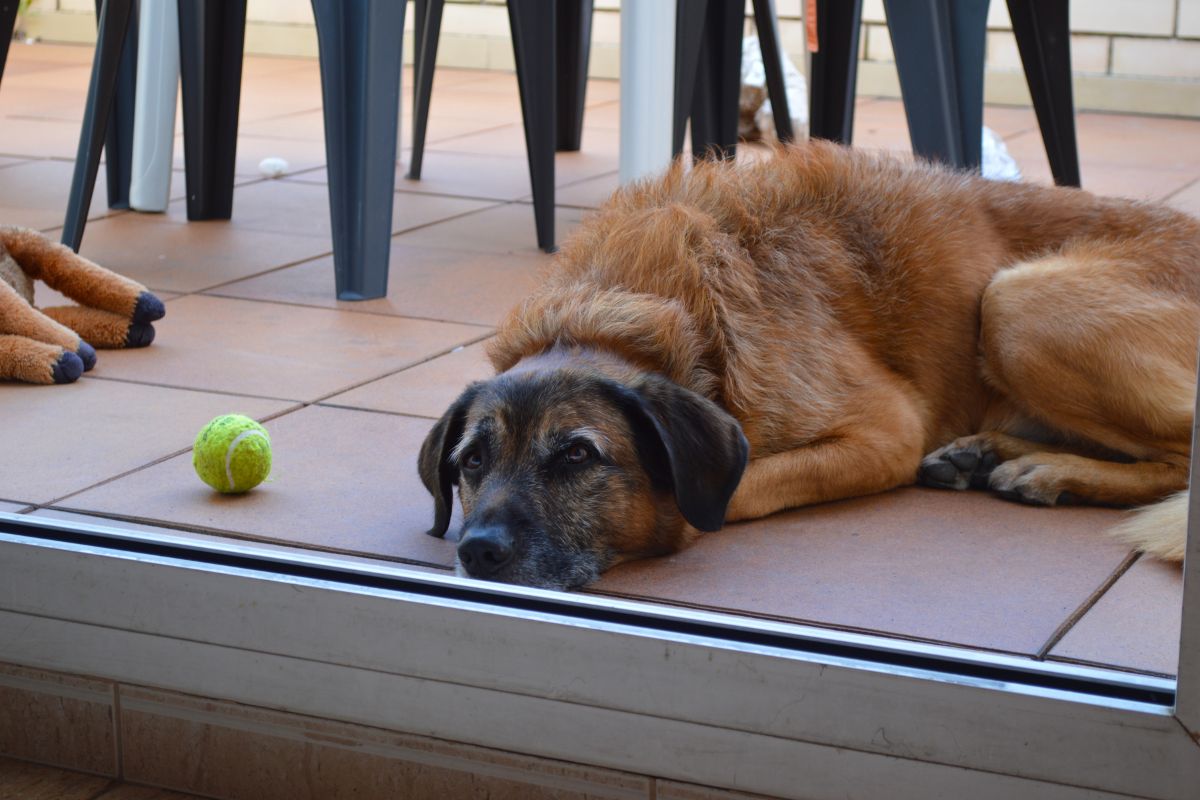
column 232, row 454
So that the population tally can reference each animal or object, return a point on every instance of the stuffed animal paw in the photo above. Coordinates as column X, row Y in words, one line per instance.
column 56, row 345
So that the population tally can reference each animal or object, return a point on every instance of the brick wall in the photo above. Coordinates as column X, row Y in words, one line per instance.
column 1128, row 55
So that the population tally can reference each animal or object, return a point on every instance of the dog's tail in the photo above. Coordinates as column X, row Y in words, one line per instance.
column 1159, row 530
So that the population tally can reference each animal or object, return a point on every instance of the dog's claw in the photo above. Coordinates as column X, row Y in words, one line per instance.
column 941, row 474
column 964, row 460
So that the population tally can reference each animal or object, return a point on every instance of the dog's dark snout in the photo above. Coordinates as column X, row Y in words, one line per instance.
column 483, row 551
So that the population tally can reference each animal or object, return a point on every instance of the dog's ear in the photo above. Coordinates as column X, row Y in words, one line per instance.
column 433, row 463
column 689, row 445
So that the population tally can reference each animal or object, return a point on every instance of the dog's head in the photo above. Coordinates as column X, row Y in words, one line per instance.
column 564, row 472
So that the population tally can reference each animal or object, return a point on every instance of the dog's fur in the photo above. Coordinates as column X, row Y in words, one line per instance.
column 860, row 323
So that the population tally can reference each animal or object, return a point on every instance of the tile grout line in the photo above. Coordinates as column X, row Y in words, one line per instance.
column 1086, row 606
column 243, row 395
column 483, row 337
column 1180, row 190
column 338, row 309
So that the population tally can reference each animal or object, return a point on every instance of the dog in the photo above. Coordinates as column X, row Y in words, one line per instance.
column 731, row 340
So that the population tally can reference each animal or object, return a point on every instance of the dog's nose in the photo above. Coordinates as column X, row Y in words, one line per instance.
column 483, row 551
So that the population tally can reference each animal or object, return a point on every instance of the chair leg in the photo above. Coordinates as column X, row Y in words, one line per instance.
column 1044, row 40
column 110, row 39
column 360, row 83
column 718, row 81
column 428, row 30
column 533, row 34
column 834, row 70
column 572, row 49
column 689, row 34
column 767, row 24
column 8, row 23
column 211, row 38
column 118, row 140
column 939, row 56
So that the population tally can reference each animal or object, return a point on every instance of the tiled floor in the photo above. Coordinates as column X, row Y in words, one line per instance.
column 348, row 390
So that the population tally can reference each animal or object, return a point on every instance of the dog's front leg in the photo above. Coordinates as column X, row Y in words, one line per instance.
column 879, row 450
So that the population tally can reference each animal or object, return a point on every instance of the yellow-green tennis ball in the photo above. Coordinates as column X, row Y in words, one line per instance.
column 232, row 454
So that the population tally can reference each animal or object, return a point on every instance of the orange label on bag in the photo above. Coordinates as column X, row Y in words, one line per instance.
column 810, row 25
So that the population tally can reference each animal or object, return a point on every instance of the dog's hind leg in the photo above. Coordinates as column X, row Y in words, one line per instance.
column 1099, row 344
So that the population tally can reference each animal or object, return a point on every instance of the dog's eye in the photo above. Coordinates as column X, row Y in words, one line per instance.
column 472, row 460
column 576, row 454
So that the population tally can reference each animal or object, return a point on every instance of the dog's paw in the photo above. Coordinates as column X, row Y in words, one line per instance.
column 1029, row 480
column 964, row 463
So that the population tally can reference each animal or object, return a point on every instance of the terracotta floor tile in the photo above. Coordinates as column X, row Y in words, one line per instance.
column 599, row 90
column 310, row 125
column 1135, row 624
column 21, row 101
column 276, row 350
column 34, row 194
column 1099, row 177
column 341, row 480
column 1122, row 155
column 57, row 53
column 300, row 154
column 189, row 256
column 880, row 125
column 425, row 390
column 590, row 193
column 603, row 116
column 39, row 138
column 1187, row 199
column 61, row 439
column 963, row 568
column 428, row 282
column 302, row 209
column 510, row 141
column 504, row 229
column 476, row 175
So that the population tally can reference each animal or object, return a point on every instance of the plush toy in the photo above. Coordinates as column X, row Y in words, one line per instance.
column 55, row 345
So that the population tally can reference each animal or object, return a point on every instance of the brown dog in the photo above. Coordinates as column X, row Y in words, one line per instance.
column 849, row 322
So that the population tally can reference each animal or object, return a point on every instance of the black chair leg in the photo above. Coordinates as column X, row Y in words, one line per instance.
column 834, row 70
column 533, row 29
column 428, row 29
column 8, row 23
column 690, row 16
column 360, row 84
column 718, row 81
column 939, row 56
column 211, row 38
column 118, row 140
column 572, row 49
column 110, row 39
column 1044, row 40
column 767, row 25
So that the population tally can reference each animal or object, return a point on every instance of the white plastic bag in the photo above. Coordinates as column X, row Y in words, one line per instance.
column 757, row 118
